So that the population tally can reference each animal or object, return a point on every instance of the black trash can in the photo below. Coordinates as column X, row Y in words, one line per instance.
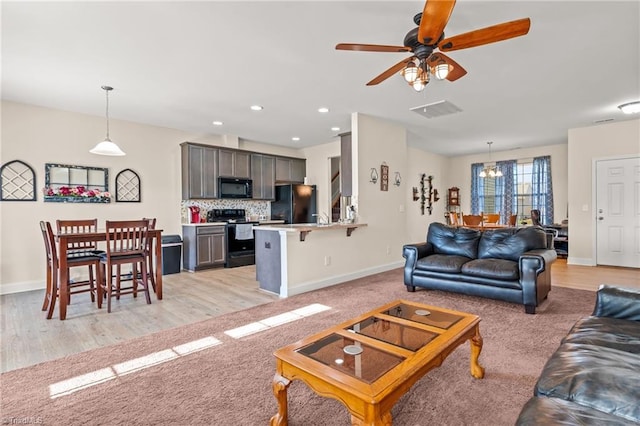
column 171, row 254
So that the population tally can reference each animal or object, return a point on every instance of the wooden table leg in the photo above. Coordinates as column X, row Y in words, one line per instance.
column 158, row 264
column 477, row 370
column 383, row 420
column 280, row 385
column 63, row 277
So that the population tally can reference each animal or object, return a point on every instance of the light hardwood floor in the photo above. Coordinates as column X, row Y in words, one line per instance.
column 29, row 338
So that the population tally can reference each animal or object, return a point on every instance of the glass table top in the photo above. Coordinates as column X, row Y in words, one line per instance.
column 356, row 359
column 396, row 334
column 433, row 318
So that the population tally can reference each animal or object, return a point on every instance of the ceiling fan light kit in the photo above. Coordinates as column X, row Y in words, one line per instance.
column 429, row 36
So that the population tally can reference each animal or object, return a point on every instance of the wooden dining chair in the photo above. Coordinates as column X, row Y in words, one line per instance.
column 492, row 217
column 52, row 292
column 81, row 248
column 513, row 220
column 472, row 219
column 535, row 217
column 150, row 268
column 126, row 245
column 454, row 219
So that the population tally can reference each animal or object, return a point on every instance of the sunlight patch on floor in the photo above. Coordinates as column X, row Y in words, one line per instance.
column 75, row 384
column 276, row 320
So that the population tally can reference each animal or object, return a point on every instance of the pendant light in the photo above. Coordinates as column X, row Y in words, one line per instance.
column 106, row 147
column 490, row 171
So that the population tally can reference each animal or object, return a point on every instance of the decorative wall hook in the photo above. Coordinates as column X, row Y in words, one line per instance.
column 397, row 179
column 373, row 175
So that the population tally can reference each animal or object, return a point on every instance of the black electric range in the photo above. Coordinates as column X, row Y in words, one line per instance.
column 239, row 236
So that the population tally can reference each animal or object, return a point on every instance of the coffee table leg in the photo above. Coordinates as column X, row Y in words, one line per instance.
column 280, row 385
column 477, row 370
column 384, row 420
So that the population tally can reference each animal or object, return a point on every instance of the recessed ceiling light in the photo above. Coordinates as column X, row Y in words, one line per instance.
column 335, row 129
column 256, row 108
column 295, row 138
column 323, row 109
column 218, row 123
column 630, row 108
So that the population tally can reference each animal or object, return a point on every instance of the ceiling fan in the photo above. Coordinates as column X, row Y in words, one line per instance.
column 429, row 36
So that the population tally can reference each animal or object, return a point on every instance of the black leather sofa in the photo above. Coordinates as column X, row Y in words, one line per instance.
column 511, row 264
column 593, row 378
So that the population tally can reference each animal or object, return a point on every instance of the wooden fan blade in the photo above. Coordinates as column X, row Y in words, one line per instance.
column 391, row 71
column 372, row 47
column 486, row 35
column 455, row 70
column 435, row 16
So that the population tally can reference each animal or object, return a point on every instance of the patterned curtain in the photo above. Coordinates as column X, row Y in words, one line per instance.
column 477, row 189
column 506, row 189
column 541, row 189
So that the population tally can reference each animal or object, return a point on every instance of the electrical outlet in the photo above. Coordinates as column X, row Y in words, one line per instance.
column 327, row 260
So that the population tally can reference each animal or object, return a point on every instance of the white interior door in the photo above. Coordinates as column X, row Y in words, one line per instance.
column 618, row 212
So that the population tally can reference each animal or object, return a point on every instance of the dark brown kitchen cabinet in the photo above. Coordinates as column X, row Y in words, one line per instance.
column 234, row 163
column 290, row 170
column 203, row 247
column 263, row 174
column 199, row 172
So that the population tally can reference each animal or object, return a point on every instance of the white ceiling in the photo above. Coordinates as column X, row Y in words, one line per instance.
column 184, row 64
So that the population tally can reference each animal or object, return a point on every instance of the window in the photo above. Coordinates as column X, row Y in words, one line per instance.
column 525, row 185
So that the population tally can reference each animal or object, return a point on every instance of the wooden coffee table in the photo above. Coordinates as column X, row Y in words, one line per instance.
column 369, row 362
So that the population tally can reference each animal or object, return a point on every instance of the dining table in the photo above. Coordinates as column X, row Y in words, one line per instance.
column 65, row 239
column 487, row 226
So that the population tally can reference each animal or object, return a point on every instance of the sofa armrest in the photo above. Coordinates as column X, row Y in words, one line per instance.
column 532, row 263
column 413, row 252
column 617, row 302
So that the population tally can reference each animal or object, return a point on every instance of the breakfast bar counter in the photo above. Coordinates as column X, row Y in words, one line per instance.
column 295, row 258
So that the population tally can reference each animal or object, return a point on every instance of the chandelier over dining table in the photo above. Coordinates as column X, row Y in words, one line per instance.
column 490, row 171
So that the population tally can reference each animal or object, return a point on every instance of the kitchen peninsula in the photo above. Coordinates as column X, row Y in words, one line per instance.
column 296, row 258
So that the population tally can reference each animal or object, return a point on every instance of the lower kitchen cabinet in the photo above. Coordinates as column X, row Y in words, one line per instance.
column 203, row 247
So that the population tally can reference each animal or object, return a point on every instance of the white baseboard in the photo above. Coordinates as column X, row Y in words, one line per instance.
column 584, row 261
column 21, row 287
column 338, row 279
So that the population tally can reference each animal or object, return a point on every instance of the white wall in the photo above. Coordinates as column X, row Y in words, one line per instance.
column 319, row 171
column 419, row 162
column 38, row 135
column 586, row 145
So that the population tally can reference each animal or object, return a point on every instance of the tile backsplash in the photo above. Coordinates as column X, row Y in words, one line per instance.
column 253, row 208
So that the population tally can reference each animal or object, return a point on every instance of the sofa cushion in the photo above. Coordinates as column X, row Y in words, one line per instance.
column 601, row 377
column 457, row 241
column 622, row 335
column 442, row 263
column 511, row 243
column 492, row 268
column 558, row 412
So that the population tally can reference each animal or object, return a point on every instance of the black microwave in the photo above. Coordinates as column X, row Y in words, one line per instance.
column 229, row 187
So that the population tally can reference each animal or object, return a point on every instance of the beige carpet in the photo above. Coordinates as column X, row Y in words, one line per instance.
column 230, row 383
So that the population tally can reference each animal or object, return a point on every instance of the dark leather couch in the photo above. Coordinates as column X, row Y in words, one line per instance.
column 511, row 264
column 593, row 378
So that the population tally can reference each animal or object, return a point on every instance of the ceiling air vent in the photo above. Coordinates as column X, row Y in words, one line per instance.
column 436, row 109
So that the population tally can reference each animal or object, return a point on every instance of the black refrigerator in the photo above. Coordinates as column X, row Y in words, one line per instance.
column 295, row 203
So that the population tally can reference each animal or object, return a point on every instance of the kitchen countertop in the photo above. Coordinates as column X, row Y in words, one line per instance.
column 305, row 228
column 261, row 222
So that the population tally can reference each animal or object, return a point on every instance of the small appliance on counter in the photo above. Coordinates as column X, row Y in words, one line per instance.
column 194, row 217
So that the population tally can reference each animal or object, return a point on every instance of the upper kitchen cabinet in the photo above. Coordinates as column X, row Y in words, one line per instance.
column 290, row 170
column 263, row 174
column 234, row 163
column 199, row 171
